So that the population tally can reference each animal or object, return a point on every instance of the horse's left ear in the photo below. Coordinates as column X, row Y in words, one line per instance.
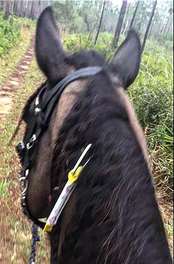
column 49, row 51
column 126, row 62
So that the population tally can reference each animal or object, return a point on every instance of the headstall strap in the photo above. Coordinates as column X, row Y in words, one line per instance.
column 41, row 116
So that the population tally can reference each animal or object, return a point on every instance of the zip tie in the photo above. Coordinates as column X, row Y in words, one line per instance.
column 81, row 157
column 69, row 187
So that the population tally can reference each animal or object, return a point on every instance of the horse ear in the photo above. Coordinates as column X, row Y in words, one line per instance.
column 49, row 51
column 126, row 62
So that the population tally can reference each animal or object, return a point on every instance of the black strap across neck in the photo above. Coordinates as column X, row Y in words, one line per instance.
column 44, row 104
column 44, row 108
column 78, row 74
column 55, row 92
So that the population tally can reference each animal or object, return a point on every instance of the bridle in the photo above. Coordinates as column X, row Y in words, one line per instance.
column 41, row 114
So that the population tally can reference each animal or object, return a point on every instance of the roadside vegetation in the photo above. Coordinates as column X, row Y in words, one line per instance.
column 15, row 36
column 15, row 228
column 10, row 32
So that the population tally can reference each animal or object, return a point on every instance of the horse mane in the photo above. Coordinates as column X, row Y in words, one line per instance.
column 116, row 217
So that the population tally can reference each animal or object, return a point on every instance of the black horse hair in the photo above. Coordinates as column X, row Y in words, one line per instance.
column 115, row 189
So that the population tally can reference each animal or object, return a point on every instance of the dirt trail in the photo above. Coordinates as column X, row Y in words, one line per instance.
column 8, row 89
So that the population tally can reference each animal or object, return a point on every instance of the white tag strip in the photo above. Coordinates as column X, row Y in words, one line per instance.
column 66, row 192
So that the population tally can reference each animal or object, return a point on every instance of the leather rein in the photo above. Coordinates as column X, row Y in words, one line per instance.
column 41, row 114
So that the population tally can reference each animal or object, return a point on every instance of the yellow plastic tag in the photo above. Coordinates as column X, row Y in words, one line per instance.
column 69, row 187
column 48, row 228
column 73, row 176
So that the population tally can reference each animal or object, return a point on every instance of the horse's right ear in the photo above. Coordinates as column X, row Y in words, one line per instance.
column 49, row 51
column 126, row 62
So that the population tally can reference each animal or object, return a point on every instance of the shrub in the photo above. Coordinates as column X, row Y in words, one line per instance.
column 152, row 97
column 10, row 31
column 74, row 42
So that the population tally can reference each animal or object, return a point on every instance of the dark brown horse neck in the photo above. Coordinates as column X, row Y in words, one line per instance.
column 114, row 208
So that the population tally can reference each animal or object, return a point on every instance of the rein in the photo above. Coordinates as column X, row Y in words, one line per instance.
column 41, row 116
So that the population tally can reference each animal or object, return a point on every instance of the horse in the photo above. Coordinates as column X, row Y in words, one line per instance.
column 112, row 216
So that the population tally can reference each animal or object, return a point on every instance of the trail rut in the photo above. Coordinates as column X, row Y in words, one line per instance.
column 13, row 82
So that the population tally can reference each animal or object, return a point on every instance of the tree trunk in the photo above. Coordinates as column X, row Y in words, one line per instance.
column 165, row 26
column 126, row 20
column 20, row 5
column 139, row 25
column 151, row 30
column 1, row 4
column 134, row 14
column 99, row 26
column 148, row 26
column 28, row 8
column 12, row 7
column 87, row 23
column 119, row 23
column 32, row 10
column 15, row 7
column 168, row 27
column 23, row 8
column 7, row 9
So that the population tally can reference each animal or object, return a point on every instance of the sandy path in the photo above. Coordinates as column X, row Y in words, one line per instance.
column 12, row 83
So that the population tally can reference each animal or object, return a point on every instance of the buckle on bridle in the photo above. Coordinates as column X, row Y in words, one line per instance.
column 20, row 149
column 30, row 144
column 20, row 146
column 24, row 185
column 37, row 110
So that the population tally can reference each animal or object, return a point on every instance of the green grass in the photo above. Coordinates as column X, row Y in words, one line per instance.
column 4, row 185
column 74, row 42
column 27, row 86
column 15, row 36
column 9, row 61
column 152, row 98
column 18, row 239
column 10, row 31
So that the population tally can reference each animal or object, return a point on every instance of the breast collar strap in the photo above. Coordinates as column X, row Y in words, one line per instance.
column 41, row 116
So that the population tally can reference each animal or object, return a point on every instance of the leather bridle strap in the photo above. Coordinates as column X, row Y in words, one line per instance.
column 41, row 116
column 55, row 93
column 79, row 74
